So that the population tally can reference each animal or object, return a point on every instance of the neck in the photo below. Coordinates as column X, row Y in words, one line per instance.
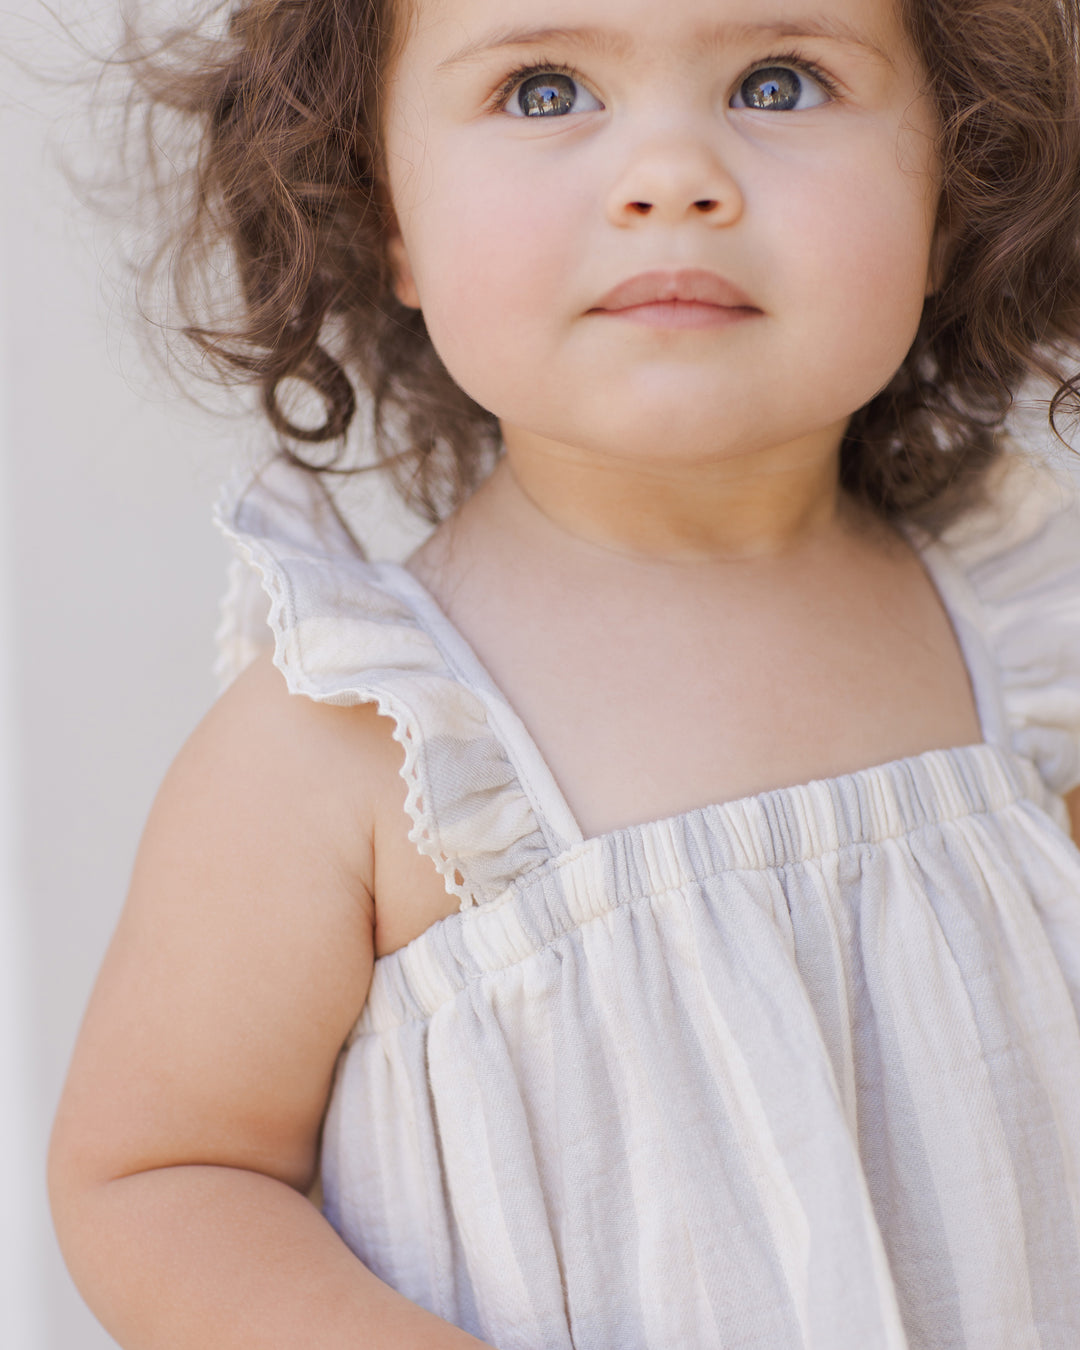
column 763, row 504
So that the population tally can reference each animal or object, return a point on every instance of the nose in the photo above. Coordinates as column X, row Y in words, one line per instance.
column 673, row 179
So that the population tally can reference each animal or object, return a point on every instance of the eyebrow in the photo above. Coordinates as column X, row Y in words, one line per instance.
column 609, row 42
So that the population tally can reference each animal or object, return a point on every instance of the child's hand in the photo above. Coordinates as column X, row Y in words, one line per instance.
column 189, row 1127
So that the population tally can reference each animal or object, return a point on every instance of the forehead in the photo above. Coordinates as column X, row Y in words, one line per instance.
column 467, row 30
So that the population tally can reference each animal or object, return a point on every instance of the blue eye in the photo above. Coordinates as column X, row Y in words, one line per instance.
column 779, row 89
column 550, row 94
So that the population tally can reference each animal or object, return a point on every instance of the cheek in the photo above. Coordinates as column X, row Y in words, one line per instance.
column 865, row 260
column 491, row 253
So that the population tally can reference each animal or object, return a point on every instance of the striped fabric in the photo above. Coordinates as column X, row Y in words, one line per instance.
column 797, row 1072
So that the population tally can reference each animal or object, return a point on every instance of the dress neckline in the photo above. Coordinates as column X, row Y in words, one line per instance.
column 954, row 594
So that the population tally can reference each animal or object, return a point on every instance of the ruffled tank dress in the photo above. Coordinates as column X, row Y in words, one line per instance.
column 795, row 1072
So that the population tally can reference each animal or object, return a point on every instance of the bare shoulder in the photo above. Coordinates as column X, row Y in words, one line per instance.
column 290, row 758
column 244, row 951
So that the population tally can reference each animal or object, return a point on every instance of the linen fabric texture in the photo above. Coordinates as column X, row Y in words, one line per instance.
column 794, row 1072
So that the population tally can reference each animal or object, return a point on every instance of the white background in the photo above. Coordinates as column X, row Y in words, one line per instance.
column 110, row 574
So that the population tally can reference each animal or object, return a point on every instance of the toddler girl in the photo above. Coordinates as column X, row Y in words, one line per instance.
column 650, row 906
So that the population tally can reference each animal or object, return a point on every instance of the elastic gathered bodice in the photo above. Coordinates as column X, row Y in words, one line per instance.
column 774, row 830
column 797, row 1070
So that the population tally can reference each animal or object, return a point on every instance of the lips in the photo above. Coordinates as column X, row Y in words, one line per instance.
column 675, row 288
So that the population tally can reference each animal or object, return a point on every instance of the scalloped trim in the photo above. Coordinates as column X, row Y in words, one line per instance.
column 406, row 728
column 421, row 834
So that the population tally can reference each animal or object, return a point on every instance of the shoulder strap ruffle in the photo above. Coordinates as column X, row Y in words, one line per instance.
column 1012, row 571
column 343, row 633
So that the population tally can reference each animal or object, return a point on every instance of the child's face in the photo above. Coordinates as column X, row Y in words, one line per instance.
column 780, row 145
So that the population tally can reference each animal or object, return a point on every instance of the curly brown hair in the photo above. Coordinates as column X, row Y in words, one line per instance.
column 287, row 184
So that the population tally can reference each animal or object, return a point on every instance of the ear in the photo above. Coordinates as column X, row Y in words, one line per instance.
column 401, row 270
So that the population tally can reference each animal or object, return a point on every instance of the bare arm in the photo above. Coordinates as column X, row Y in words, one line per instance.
column 1072, row 803
column 188, row 1131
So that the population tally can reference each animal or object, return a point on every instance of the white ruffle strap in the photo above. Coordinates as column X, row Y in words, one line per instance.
column 343, row 635
column 1020, row 557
